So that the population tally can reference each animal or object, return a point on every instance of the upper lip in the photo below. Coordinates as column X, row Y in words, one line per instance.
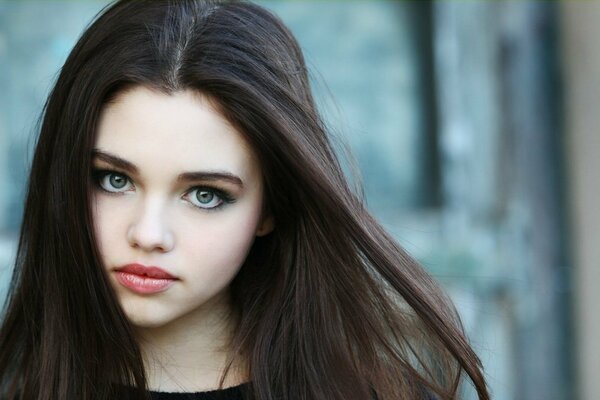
column 143, row 270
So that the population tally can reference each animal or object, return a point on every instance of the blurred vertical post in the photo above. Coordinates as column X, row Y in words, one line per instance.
column 581, row 52
column 500, row 128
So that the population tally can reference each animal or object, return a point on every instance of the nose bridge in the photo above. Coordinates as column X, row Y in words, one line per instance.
column 149, row 228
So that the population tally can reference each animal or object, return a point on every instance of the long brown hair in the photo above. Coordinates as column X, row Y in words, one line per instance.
column 330, row 306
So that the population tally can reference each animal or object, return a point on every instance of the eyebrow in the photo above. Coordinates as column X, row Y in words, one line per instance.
column 183, row 177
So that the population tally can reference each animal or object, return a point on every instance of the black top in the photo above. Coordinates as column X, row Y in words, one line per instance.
column 230, row 393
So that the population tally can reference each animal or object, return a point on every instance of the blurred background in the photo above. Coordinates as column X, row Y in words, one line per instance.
column 472, row 124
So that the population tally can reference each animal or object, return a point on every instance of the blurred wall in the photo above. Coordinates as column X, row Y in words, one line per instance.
column 581, row 55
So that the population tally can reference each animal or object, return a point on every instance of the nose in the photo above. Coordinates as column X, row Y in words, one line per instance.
column 149, row 229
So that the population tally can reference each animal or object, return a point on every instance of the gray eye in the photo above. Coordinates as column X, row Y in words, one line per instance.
column 205, row 198
column 113, row 182
column 117, row 181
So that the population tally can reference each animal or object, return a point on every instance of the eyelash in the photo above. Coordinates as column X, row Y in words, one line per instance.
column 224, row 197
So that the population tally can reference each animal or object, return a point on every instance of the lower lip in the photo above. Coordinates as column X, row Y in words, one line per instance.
column 143, row 284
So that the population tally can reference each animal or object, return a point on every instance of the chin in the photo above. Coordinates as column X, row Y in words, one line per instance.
column 145, row 315
column 147, row 322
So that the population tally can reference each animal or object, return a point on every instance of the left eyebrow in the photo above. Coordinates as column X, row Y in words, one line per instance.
column 115, row 161
column 210, row 176
column 183, row 177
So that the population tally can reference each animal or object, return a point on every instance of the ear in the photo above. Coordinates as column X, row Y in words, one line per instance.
column 266, row 226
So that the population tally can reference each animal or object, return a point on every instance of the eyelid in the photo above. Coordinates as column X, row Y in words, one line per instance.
column 100, row 173
column 222, row 194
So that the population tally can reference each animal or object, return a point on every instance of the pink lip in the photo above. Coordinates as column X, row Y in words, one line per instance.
column 145, row 280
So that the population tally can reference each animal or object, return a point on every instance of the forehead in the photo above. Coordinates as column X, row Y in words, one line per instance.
column 176, row 132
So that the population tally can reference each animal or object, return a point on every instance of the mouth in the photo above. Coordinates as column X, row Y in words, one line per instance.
column 144, row 280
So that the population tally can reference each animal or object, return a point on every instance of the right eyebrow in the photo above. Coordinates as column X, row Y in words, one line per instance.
column 116, row 161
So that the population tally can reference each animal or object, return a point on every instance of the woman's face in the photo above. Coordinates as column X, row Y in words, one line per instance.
column 176, row 188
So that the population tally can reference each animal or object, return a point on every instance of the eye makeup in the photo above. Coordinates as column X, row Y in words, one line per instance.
column 118, row 180
column 129, row 167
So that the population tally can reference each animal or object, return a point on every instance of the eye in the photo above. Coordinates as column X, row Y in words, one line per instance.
column 111, row 181
column 204, row 197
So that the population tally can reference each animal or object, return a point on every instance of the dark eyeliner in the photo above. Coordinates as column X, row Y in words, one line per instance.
column 222, row 194
column 225, row 196
column 100, row 173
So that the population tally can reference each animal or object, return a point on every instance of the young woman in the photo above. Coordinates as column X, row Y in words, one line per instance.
column 189, row 233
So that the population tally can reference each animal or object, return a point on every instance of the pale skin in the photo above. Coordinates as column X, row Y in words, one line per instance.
column 198, row 229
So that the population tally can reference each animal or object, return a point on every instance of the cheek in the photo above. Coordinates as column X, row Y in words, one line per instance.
column 108, row 222
column 99, row 225
column 221, row 243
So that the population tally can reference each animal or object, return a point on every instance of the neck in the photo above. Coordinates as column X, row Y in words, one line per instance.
column 190, row 354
